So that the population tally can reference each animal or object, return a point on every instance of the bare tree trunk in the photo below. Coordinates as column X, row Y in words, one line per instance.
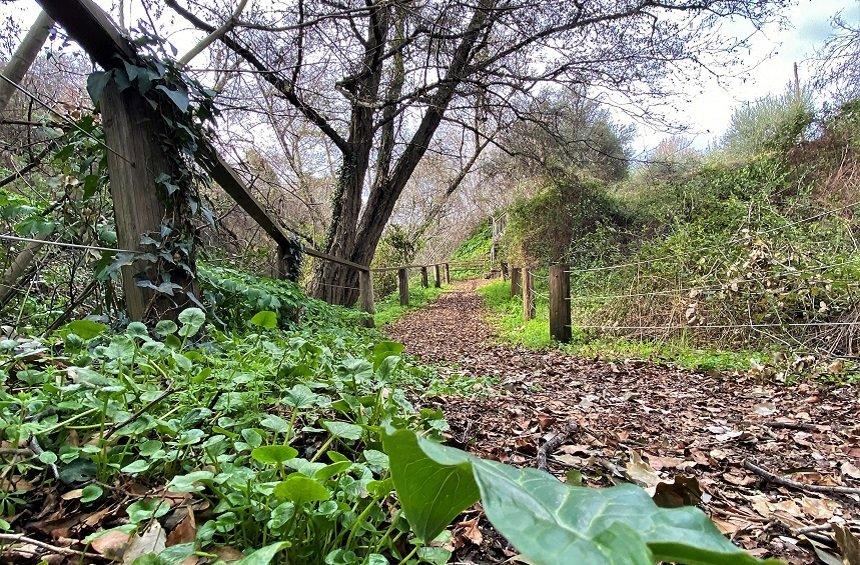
column 23, row 58
column 15, row 69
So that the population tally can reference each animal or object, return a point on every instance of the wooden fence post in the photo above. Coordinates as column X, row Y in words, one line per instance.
column 424, row 279
column 528, row 295
column 447, row 273
column 504, row 271
column 559, row 303
column 437, row 276
column 403, row 284
column 516, row 281
column 365, row 286
column 131, row 129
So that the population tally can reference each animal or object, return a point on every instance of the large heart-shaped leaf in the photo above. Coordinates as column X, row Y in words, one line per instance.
column 546, row 520
column 432, row 492
column 274, row 454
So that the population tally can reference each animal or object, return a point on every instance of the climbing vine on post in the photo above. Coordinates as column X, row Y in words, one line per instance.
column 156, row 121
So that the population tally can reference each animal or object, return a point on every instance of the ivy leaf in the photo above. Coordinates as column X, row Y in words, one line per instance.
column 192, row 319
column 300, row 489
column 265, row 319
column 343, row 430
column 91, row 493
column 265, row 555
column 179, row 98
column 96, row 83
column 85, row 329
column 385, row 349
column 301, row 396
column 166, row 327
column 432, row 491
column 273, row 454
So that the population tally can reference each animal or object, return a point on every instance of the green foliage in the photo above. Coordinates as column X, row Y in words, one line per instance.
column 388, row 309
column 278, row 428
column 774, row 122
column 545, row 519
column 477, row 246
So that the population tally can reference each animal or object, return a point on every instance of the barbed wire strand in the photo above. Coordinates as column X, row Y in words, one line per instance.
column 706, row 289
column 68, row 245
column 716, row 326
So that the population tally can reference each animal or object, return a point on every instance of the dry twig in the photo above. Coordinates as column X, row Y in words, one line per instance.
column 776, row 479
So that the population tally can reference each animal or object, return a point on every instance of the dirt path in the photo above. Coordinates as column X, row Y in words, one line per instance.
column 679, row 422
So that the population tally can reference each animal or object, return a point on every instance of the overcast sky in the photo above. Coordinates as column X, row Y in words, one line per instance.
column 777, row 50
column 774, row 52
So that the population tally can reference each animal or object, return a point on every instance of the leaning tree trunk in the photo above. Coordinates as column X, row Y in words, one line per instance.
column 15, row 69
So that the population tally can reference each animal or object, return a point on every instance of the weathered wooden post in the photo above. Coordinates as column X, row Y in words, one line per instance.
column 137, row 157
column 424, row 279
column 504, row 271
column 365, row 298
column 516, row 281
column 528, row 295
column 447, row 273
column 403, row 284
column 437, row 276
column 559, row 303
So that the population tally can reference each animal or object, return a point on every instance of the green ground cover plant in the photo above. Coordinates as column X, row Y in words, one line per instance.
column 238, row 431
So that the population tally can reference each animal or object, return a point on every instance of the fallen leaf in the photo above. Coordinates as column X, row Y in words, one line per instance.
column 73, row 494
column 184, row 532
column 111, row 545
column 228, row 554
column 680, row 491
column 640, row 472
column 849, row 545
column 765, row 409
column 153, row 540
column 739, row 480
column 850, row 470
column 469, row 530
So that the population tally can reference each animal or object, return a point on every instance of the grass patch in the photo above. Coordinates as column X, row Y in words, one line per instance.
column 389, row 309
column 534, row 334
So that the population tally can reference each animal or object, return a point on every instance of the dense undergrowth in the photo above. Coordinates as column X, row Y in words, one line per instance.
column 752, row 253
column 259, row 428
column 275, row 428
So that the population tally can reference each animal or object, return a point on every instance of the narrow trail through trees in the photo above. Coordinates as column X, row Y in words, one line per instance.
column 693, row 438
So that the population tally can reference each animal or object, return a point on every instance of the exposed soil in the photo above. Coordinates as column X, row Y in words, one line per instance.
column 652, row 423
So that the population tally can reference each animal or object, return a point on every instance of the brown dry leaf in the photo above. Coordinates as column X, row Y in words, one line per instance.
column 659, row 463
column 765, row 409
column 153, row 540
column 73, row 494
column 738, row 479
column 468, row 529
column 850, row 470
column 849, row 545
column 681, row 491
column 761, row 504
column 111, row 545
column 574, row 449
column 819, row 508
column 228, row 554
column 718, row 454
column 640, row 472
column 184, row 532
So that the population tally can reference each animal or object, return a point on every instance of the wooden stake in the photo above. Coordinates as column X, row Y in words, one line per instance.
column 528, row 295
column 559, row 303
column 403, row 284
column 504, row 271
column 424, row 279
column 516, row 281
column 365, row 285
column 447, row 273
column 437, row 277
